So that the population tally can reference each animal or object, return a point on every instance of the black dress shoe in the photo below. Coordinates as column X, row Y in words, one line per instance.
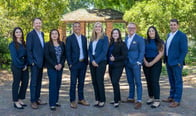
column 18, row 107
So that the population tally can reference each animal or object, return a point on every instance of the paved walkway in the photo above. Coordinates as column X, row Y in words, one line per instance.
column 187, row 107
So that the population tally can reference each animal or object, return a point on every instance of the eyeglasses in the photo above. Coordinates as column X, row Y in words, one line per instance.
column 132, row 28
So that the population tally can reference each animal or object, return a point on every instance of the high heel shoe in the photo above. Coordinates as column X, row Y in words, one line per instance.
column 18, row 107
column 155, row 105
column 101, row 104
column 58, row 105
column 116, row 105
column 53, row 108
column 24, row 105
column 21, row 103
column 96, row 103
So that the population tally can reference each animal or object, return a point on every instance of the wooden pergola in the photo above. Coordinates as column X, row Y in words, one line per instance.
column 84, row 16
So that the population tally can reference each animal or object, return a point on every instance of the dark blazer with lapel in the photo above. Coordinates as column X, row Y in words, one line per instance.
column 136, row 50
column 73, row 50
column 50, row 55
column 120, row 54
column 19, row 55
column 178, row 49
column 35, row 51
column 100, row 50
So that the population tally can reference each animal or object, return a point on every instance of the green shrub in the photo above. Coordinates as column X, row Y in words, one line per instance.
column 5, row 58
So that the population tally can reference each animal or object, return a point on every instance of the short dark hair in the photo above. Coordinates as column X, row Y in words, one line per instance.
column 174, row 20
column 76, row 23
column 36, row 18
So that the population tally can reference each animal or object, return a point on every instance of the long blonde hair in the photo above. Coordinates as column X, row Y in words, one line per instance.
column 94, row 34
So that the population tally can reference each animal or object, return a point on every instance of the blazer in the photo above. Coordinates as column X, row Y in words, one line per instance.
column 100, row 50
column 136, row 50
column 120, row 54
column 50, row 55
column 73, row 50
column 35, row 51
column 177, row 50
column 18, row 56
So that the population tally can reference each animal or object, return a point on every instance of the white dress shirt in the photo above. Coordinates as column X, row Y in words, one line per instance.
column 40, row 38
column 130, row 39
column 94, row 44
column 169, row 40
column 79, row 39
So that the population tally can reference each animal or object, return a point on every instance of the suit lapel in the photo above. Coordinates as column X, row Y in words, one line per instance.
column 37, row 37
column 173, row 39
column 76, row 41
column 97, row 45
column 133, row 40
column 126, row 38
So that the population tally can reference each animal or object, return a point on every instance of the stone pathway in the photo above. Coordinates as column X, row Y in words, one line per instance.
column 187, row 107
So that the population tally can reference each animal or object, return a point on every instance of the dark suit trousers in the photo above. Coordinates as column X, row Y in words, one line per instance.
column 115, row 74
column 19, row 76
column 55, row 78
column 152, row 75
column 78, row 72
column 35, row 84
column 97, row 74
column 176, row 81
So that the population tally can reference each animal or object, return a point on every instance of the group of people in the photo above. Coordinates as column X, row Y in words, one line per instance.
column 131, row 54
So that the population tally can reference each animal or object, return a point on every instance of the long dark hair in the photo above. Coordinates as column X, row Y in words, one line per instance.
column 58, row 39
column 15, row 38
column 119, row 40
column 158, row 41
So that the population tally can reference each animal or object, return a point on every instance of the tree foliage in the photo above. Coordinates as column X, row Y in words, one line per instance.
column 158, row 13
column 143, row 12
column 120, row 5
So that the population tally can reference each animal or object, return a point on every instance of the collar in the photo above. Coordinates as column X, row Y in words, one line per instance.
column 131, row 36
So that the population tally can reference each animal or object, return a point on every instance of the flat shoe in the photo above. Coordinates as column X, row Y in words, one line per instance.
column 150, row 101
column 101, row 104
column 58, row 105
column 155, row 105
column 17, row 107
column 116, row 105
column 24, row 105
column 53, row 108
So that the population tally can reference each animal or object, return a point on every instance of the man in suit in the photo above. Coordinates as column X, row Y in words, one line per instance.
column 35, row 54
column 176, row 49
column 77, row 59
column 136, row 48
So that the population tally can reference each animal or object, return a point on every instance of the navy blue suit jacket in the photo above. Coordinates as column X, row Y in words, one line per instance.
column 50, row 55
column 35, row 51
column 177, row 50
column 73, row 50
column 19, row 55
column 100, row 50
column 136, row 50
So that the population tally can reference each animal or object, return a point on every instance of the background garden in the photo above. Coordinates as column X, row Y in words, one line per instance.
column 143, row 12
